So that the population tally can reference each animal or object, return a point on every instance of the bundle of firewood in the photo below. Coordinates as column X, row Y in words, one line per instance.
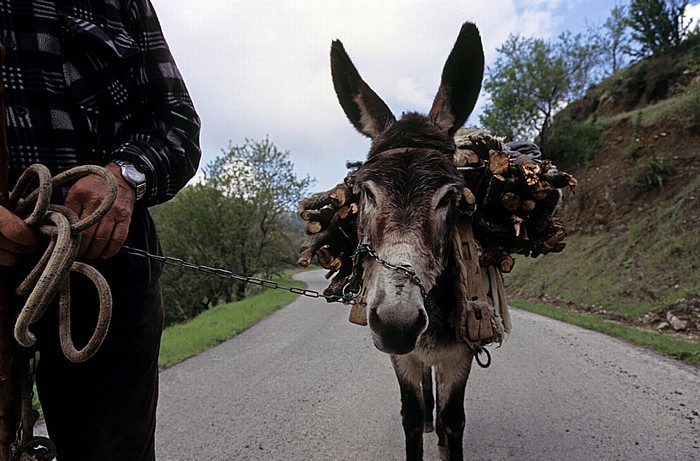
column 515, row 196
column 331, row 229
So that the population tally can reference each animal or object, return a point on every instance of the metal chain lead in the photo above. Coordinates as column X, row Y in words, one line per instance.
column 223, row 273
column 366, row 249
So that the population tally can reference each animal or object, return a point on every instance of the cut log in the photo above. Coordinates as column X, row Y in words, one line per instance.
column 340, row 195
column 305, row 257
column 315, row 201
column 529, row 168
column 529, row 205
column 559, row 179
column 498, row 162
column 510, row 201
column 313, row 227
column 466, row 157
column 507, row 263
column 323, row 215
column 344, row 213
column 324, row 256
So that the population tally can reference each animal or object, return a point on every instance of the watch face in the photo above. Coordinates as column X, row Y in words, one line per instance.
column 134, row 175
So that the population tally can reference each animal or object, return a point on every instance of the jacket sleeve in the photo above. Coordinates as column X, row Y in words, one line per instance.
column 162, row 137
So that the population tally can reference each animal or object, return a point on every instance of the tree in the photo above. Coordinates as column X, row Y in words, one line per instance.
column 237, row 218
column 195, row 226
column 259, row 178
column 532, row 79
column 615, row 40
column 657, row 24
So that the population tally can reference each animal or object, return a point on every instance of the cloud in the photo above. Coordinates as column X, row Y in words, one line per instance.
column 257, row 68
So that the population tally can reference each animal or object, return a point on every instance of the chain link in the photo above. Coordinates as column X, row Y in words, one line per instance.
column 406, row 270
column 223, row 273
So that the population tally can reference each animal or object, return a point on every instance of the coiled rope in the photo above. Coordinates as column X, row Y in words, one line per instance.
column 51, row 275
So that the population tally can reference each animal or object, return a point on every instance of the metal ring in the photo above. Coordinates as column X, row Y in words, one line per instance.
column 488, row 358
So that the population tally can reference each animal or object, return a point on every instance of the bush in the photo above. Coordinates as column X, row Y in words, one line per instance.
column 572, row 143
column 652, row 171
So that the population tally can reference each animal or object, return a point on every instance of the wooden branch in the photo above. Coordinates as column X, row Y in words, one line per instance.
column 345, row 213
column 498, row 162
column 340, row 195
column 324, row 256
column 510, row 201
column 529, row 168
column 529, row 205
column 316, row 201
column 305, row 257
column 313, row 227
column 322, row 215
column 465, row 157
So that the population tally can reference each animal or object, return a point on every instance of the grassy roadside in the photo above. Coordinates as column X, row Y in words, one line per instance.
column 675, row 348
column 221, row 323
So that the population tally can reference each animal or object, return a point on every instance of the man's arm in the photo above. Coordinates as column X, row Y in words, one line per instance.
column 161, row 139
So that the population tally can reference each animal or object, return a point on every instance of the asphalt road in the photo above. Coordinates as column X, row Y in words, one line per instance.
column 304, row 384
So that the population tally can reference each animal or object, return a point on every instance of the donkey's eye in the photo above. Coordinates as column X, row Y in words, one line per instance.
column 369, row 196
column 446, row 200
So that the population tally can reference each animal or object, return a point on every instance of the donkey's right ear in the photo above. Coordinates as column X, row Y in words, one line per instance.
column 367, row 112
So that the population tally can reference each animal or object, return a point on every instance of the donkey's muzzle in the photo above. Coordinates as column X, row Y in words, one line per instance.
column 397, row 337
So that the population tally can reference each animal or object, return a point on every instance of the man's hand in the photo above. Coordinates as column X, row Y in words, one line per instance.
column 16, row 238
column 106, row 238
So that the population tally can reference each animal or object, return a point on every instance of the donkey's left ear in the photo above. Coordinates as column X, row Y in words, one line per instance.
column 461, row 81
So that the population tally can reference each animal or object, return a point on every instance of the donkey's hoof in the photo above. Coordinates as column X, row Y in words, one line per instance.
column 428, row 427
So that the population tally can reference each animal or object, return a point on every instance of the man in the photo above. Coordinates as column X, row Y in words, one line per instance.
column 93, row 82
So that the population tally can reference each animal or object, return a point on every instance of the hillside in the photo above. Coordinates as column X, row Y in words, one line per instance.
column 633, row 251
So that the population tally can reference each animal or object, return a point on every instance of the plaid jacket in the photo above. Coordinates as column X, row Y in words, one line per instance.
column 89, row 81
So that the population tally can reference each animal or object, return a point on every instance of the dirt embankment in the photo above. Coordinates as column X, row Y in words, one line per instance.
column 634, row 220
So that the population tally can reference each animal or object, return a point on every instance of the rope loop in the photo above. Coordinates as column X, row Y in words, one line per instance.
column 51, row 275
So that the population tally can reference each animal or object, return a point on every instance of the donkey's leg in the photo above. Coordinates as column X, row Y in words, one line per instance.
column 451, row 381
column 409, row 373
column 428, row 399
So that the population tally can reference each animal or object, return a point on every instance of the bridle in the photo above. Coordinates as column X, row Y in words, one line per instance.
column 354, row 286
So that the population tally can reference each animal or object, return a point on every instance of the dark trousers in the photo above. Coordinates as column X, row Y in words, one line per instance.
column 104, row 409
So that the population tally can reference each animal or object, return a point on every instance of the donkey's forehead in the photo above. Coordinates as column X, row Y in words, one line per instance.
column 413, row 170
column 412, row 130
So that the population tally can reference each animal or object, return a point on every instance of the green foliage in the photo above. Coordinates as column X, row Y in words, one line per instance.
column 572, row 143
column 238, row 218
column 691, row 115
column 532, row 79
column 635, row 147
column 649, row 266
column 220, row 323
column 657, row 24
column 613, row 41
column 652, row 171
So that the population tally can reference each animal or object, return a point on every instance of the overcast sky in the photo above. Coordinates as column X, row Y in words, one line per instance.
column 259, row 68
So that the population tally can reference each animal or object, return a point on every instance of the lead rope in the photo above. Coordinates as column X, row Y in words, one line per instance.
column 51, row 276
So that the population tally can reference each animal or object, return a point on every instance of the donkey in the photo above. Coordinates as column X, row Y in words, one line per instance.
column 409, row 190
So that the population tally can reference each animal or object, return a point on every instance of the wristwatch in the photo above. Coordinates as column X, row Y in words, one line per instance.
column 134, row 177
